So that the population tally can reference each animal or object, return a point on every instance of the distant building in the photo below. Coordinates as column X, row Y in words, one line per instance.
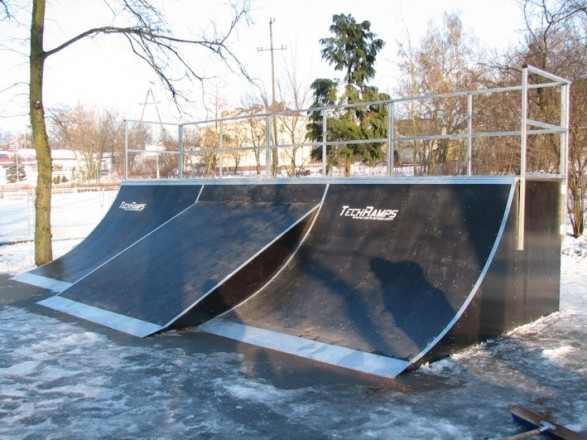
column 68, row 165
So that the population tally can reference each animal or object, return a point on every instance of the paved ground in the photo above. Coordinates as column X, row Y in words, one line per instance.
column 64, row 378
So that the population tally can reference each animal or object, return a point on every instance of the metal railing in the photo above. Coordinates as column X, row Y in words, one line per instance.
column 461, row 133
column 214, row 142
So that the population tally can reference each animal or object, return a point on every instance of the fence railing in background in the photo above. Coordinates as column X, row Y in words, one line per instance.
column 481, row 132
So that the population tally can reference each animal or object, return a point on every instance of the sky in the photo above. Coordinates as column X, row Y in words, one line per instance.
column 103, row 73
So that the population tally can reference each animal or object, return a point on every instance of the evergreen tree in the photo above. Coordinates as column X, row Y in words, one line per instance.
column 15, row 172
column 352, row 49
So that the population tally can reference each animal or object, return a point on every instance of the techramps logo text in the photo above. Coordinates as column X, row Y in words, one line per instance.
column 369, row 213
column 133, row 206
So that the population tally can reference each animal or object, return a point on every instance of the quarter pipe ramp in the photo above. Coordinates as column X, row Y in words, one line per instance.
column 381, row 278
column 137, row 210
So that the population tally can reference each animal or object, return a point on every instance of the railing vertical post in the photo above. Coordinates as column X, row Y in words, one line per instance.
column 564, row 139
column 180, row 150
column 470, row 134
column 268, row 146
column 523, row 152
column 564, row 154
column 390, row 138
column 125, row 150
column 324, row 140
column 220, row 148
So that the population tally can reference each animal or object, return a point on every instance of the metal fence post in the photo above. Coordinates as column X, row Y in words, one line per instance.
column 470, row 134
column 125, row 150
column 564, row 154
column 390, row 139
column 523, row 151
column 220, row 148
column 267, row 146
column 324, row 140
column 180, row 149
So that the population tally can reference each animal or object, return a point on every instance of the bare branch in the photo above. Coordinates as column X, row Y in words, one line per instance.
column 154, row 43
column 5, row 12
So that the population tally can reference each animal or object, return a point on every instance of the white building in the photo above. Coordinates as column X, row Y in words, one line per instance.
column 68, row 165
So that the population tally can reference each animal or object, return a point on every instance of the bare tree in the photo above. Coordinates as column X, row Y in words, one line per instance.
column 557, row 41
column 149, row 38
column 441, row 64
column 90, row 133
column 292, row 123
column 255, row 133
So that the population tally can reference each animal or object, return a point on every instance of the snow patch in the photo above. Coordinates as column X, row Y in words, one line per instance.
column 257, row 392
column 558, row 353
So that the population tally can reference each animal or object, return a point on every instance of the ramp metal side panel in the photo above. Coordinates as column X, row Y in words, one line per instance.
column 385, row 268
column 314, row 350
column 122, row 323
column 168, row 272
column 135, row 212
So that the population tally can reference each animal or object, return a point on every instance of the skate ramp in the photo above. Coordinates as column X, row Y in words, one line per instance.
column 137, row 210
column 200, row 263
column 384, row 274
column 376, row 276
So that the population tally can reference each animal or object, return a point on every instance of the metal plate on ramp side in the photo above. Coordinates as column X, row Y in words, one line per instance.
column 122, row 323
column 41, row 281
column 314, row 350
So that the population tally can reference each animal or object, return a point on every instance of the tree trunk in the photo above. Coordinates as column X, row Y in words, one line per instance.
column 348, row 161
column 43, row 251
column 575, row 204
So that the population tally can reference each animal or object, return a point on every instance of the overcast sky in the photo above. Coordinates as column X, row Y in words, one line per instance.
column 103, row 73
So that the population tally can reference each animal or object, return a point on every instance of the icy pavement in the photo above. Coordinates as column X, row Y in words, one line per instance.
column 62, row 378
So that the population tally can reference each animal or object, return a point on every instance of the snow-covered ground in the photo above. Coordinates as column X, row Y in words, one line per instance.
column 73, row 214
column 65, row 379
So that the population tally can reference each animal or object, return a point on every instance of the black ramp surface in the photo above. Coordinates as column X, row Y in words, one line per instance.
column 385, row 268
column 164, row 276
column 136, row 211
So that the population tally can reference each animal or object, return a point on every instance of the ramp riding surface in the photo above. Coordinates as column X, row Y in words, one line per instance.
column 383, row 275
column 200, row 263
column 136, row 211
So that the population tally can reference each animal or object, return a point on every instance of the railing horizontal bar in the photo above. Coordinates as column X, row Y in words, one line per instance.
column 553, row 130
column 137, row 121
column 551, row 76
column 544, row 125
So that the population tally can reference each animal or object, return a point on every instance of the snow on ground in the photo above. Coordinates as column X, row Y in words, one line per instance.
column 61, row 378
column 73, row 214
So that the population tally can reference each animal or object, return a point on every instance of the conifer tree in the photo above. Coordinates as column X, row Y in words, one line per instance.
column 15, row 172
column 351, row 49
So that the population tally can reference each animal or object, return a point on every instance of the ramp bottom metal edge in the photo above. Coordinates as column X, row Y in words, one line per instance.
column 314, row 350
column 116, row 321
column 41, row 281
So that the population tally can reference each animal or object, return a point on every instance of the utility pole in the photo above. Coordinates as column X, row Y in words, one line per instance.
column 273, row 109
